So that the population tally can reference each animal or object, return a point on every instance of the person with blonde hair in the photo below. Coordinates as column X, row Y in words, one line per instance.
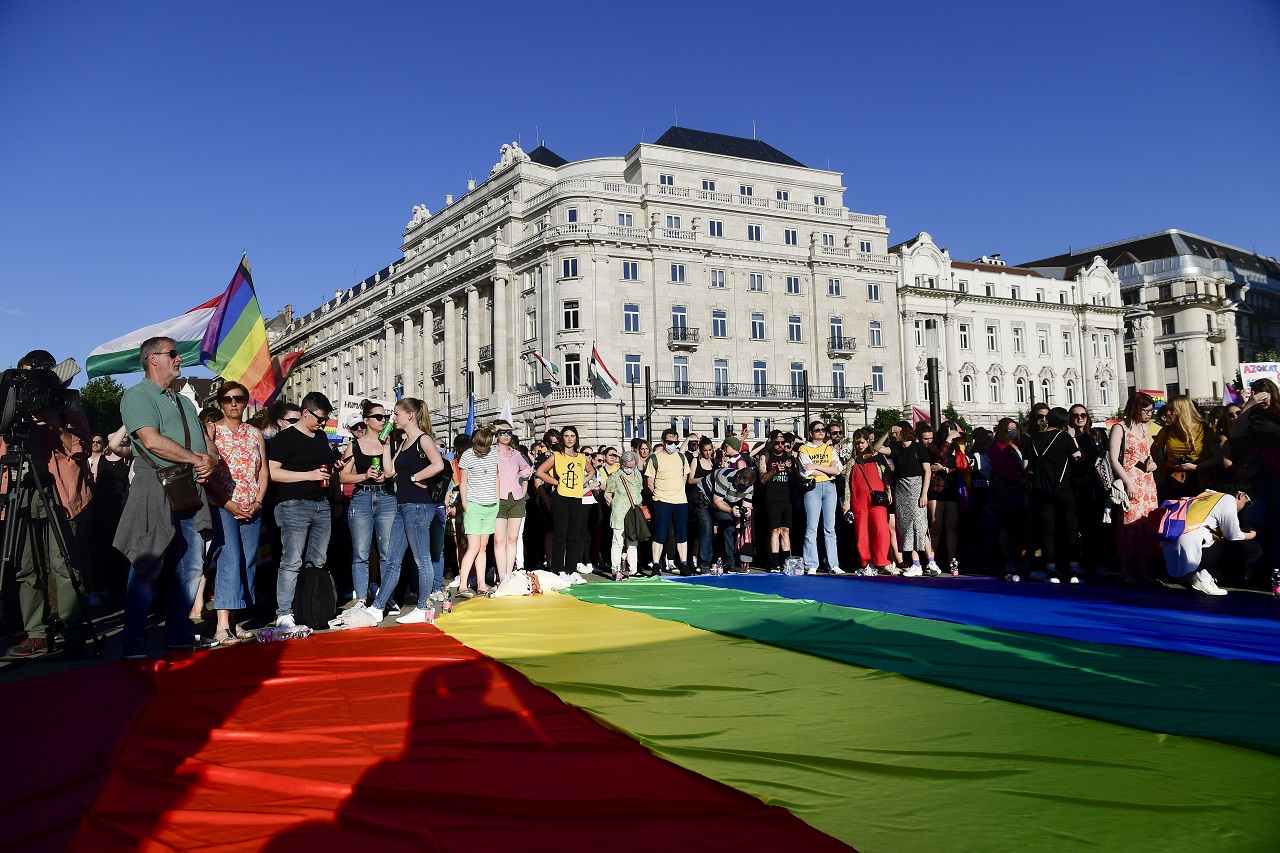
column 1184, row 450
column 478, row 499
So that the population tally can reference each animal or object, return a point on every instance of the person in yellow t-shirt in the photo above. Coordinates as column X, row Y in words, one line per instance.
column 568, row 470
column 666, row 473
column 817, row 462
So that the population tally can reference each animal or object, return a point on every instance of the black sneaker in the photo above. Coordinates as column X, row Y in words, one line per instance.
column 685, row 570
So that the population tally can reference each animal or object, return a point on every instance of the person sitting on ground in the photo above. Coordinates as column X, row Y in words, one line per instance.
column 732, row 495
column 1213, row 539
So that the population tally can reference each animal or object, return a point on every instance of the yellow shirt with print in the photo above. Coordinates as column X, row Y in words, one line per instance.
column 819, row 454
column 571, row 472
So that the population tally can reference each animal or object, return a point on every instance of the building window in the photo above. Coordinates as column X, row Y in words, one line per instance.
column 1042, row 338
column 1104, row 394
column 760, row 377
column 1166, row 325
column 877, row 380
column 873, row 292
column 680, row 373
column 833, row 287
column 1062, row 297
column 631, row 317
column 1106, row 346
column 928, row 281
column 572, row 369
column 791, row 237
column 864, row 246
column 917, row 329
column 793, row 328
column 757, row 327
column 993, row 338
column 1066, row 344
column 630, row 270
column 873, row 334
column 746, row 189
column 784, row 195
column 1015, row 292
column 721, row 376
column 1128, row 362
column 1018, row 347
column 837, row 329
column 673, row 222
column 753, row 233
column 828, row 239
column 1213, row 358
column 717, row 278
column 1093, row 343
column 626, row 220
column 632, row 370
column 1171, row 358
column 1039, row 294
column 966, row 389
column 571, row 215
column 797, row 379
column 571, row 314
column 677, row 273
column 989, row 290
column 964, row 336
column 715, row 228
column 667, row 180
column 756, row 282
column 719, row 324
column 837, row 379
column 819, row 201
column 1165, row 291
column 1071, row 392
column 962, row 286
column 531, row 324
column 793, row 284
column 568, row 267
column 709, row 186
column 1020, row 388
column 1046, row 390
column 995, row 389
column 679, row 317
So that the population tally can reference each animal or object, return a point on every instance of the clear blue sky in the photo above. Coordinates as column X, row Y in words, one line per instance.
column 144, row 146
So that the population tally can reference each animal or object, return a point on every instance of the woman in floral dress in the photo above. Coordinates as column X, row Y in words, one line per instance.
column 1130, row 454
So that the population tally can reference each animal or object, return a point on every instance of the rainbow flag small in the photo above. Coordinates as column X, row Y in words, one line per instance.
column 1158, row 397
column 235, row 342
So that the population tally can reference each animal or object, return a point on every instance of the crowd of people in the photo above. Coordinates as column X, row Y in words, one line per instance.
column 1054, row 498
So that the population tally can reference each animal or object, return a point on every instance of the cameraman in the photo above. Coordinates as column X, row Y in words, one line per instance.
column 59, row 448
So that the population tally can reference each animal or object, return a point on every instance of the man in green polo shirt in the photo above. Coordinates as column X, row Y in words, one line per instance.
column 166, row 431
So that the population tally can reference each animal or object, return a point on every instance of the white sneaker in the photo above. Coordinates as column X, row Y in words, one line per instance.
column 812, row 571
column 286, row 622
column 416, row 616
column 914, row 571
column 1202, row 581
column 932, row 569
column 836, row 570
column 392, row 608
column 868, row 571
column 365, row 617
column 438, row 595
column 891, row 569
column 584, row 569
column 453, row 584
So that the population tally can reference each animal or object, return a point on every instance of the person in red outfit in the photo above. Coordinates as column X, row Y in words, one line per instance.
column 863, row 477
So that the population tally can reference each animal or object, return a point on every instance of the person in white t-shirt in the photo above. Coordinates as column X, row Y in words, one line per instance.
column 1218, row 541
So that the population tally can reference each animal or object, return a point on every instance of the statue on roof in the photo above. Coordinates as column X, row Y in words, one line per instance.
column 508, row 155
column 420, row 215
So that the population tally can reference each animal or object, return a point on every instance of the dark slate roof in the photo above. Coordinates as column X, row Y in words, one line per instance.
column 544, row 156
column 1165, row 244
column 728, row 146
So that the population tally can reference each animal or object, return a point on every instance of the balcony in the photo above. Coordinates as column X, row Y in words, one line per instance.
column 1217, row 334
column 682, row 337
column 437, row 326
column 840, row 345
column 754, row 391
column 486, row 353
column 437, row 368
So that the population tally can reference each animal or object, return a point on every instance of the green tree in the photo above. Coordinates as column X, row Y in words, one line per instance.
column 101, row 400
column 1266, row 355
column 950, row 414
column 885, row 418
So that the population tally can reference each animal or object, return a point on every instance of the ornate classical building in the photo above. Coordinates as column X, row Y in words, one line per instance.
column 1006, row 337
column 1195, row 307
column 713, row 275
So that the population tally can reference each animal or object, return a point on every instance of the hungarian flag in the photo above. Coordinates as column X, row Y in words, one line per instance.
column 602, row 374
column 123, row 355
column 552, row 371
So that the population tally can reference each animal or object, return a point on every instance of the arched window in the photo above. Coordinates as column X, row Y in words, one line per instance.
column 966, row 389
column 1021, row 386
column 1104, row 394
column 995, row 389
column 1046, row 391
column 1071, row 392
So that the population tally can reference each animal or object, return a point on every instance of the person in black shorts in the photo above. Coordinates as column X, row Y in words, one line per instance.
column 775, row 467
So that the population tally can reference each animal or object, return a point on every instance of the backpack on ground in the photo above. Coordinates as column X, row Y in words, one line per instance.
column 316, row 600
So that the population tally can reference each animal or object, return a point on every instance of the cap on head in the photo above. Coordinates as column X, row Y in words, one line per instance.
column 352, row 420
column 733, row 443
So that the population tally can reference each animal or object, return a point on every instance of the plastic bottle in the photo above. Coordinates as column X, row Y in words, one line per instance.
column 718, row 567
column 447, row 605
column 431, row 613
column 266, row 635
column 1275, row 583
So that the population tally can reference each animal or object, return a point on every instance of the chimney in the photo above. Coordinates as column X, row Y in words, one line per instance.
column 288, row 313
column 448, row 200
column 471, row 184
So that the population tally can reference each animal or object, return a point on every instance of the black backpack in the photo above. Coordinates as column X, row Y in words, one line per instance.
column 315, row 601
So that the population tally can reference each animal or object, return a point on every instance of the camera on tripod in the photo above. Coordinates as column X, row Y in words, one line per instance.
column 23, row 393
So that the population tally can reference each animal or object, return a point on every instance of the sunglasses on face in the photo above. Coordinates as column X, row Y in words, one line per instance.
column 378, row 418
column 172, row 353
column 355, row 427
column 318, row 416
column 292, row 420
column 236, row 399
column 96, row 441
column 506, row 432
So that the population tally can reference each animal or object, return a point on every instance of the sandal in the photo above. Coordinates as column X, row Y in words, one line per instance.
column 244, row 634
column 226, row 638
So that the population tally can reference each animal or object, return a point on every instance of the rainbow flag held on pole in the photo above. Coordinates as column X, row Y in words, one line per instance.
column 235, row 342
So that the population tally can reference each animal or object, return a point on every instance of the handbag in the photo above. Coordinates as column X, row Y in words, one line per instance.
column 437, row 484
column 635, row 526
column 179, row 481
column 878, row 497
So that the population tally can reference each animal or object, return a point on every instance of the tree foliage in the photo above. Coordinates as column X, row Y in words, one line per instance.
column 950, row 414
column 885, row 418
column 101, row 400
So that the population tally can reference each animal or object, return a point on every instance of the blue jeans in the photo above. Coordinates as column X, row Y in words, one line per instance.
column 238, row 562
column 370, row 512
column 706, row 536
column 820, row 504
column 186, row 555
column 728, row 538
column 304, row 529
column 413, row 531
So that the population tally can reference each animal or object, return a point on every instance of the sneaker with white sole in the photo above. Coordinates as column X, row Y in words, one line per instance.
column 913, row 571
column 286, row 622
column 868, row 571
column 891, row 569
column 932, row 569
column 1202, row 581
column 365, row 617
column 453, row 584
column 416, row 616
column 836, row 570
column 585, row 569
column 392, row 608
column 812, row 571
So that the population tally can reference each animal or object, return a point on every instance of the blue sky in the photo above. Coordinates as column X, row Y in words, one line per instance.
column 146, row 145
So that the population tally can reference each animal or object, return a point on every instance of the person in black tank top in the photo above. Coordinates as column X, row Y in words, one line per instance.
column 775, row 468
column 372, row 509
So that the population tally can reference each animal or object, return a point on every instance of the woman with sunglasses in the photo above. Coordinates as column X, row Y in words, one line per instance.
column 1129, row 450
column 774, row 469
column 568, row 471
column 237, row 488
column 373, row 506
column 514, row 472
column 1095, row 536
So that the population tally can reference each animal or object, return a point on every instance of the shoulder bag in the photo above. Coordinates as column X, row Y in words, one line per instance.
column 636, row 524
column 178, row 481
column 878, row 497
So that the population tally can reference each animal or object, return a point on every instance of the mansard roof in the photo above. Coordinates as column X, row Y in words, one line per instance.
column 544, row 156
column 1163, row 244
column 723, row 144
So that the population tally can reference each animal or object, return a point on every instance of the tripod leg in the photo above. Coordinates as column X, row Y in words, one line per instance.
column 78, row 607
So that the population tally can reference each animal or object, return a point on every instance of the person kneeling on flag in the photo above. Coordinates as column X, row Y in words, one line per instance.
column 1212, row 538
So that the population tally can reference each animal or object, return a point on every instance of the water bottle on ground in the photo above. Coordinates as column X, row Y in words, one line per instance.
column 1275, row 583
column 718, row 568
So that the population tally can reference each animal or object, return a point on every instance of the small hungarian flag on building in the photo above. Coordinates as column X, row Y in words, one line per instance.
column 553, row 372
column 602, row 374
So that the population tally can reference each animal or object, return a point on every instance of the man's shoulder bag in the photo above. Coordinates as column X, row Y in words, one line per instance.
column 179, row 481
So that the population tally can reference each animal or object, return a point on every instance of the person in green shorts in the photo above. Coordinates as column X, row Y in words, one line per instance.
column 478, row 500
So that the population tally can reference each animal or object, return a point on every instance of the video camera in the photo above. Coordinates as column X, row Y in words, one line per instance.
column 23, row 393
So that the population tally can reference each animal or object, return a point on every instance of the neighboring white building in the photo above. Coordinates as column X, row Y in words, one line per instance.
column 1006, row 337
column 717, row 266
column 1196, row 309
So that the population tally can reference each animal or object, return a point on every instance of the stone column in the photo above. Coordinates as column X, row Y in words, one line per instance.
column 1194, row 361
column 388, row 383
column 1087, row 395
column 1148, row 372
column 502, row 335
column 428, row 357
column 1229, row 363
column 449, row 345
column 409, row 358
column 910, row 380
column 952, row 343
column 473, row 338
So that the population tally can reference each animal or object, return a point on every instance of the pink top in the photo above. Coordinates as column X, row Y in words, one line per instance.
column 242, row 460
column 512, row 468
